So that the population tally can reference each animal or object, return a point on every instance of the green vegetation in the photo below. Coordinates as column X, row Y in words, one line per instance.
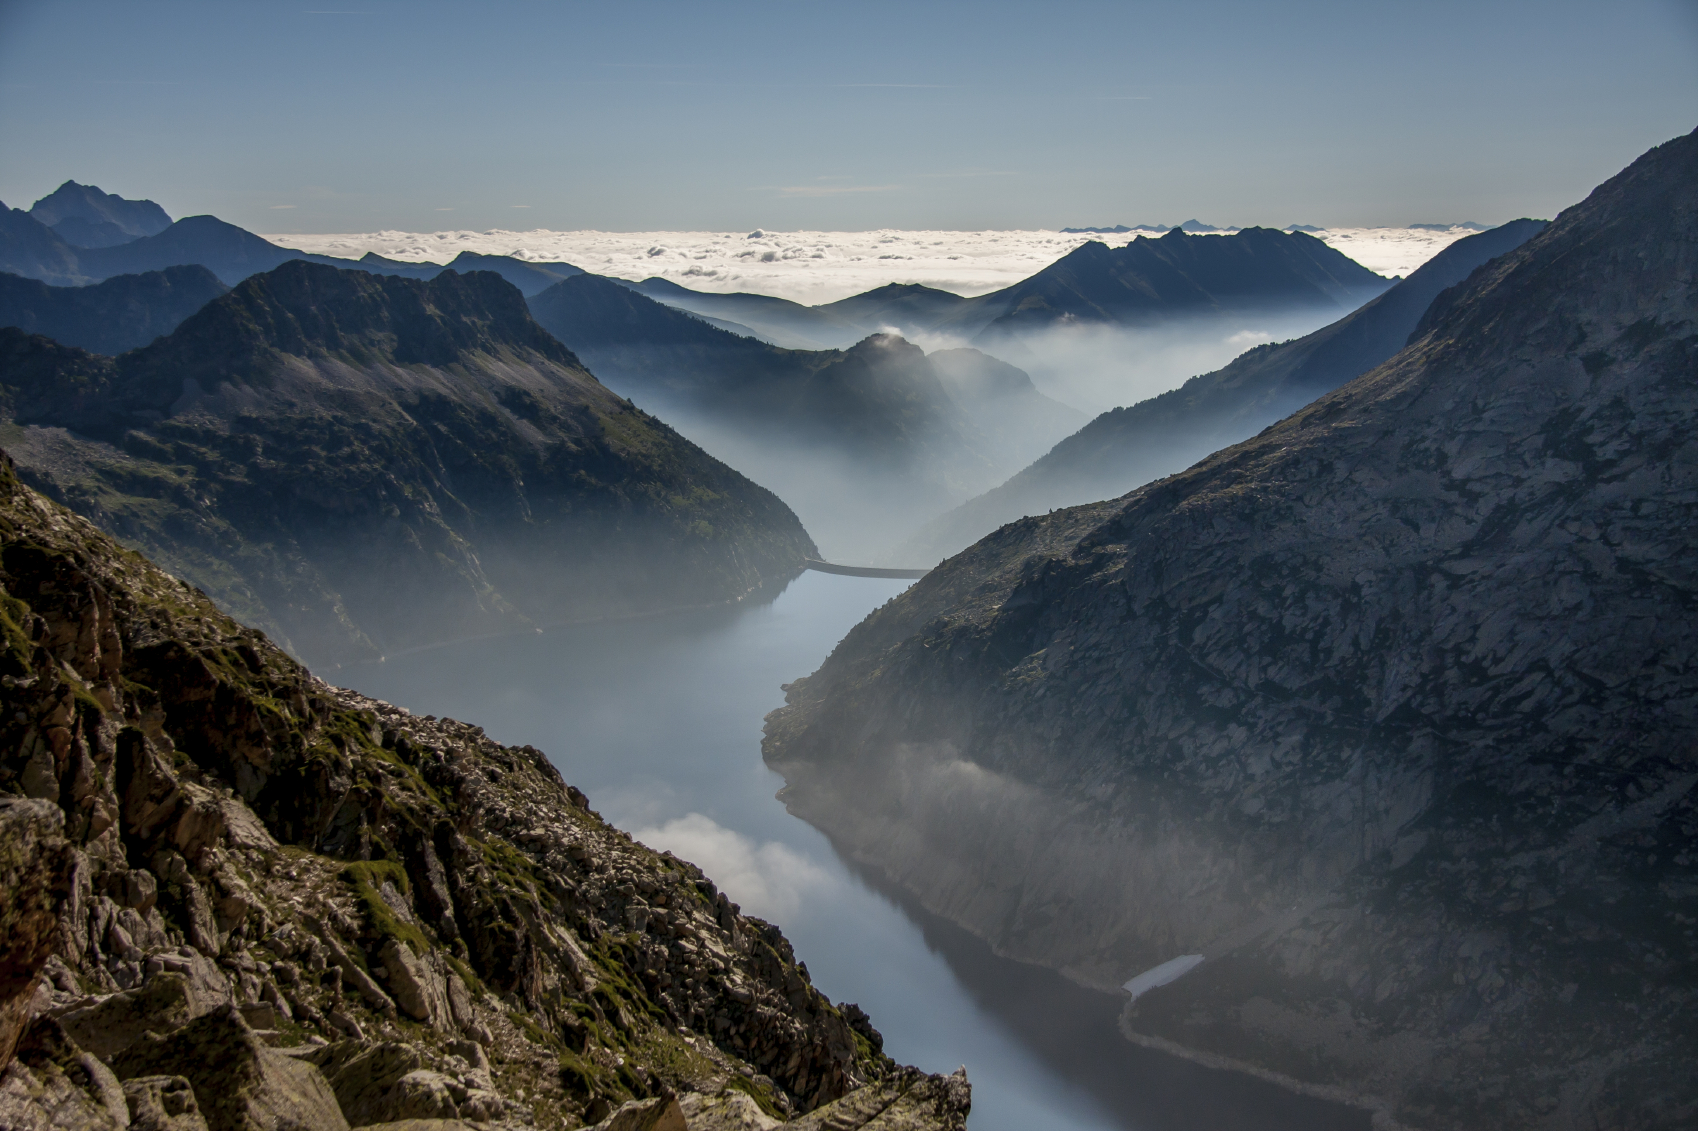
column 366, row 877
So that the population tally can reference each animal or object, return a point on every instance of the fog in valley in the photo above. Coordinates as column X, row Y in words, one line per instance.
column 863, row 506
column 658, row 720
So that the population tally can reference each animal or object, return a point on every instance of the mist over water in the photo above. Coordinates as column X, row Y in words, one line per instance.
column 1096, row 367
column 659, row 721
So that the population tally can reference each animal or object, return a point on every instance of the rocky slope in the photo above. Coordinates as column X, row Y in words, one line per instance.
column 330, row 452
column 125, row 312
column 1128, row 447
column 234, row 896
column 1387, row 715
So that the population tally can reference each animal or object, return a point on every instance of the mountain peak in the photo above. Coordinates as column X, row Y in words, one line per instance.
column 307, row 309
column 85, row 216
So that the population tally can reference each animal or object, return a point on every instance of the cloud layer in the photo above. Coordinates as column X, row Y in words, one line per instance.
column 769, row 880
column 815, row 267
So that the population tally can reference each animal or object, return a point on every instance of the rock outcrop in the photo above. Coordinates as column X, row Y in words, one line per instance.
column 1388, row 715
column 238, row 897
column 314, row 421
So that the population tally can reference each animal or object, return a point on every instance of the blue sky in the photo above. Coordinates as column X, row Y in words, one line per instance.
column 350, row 115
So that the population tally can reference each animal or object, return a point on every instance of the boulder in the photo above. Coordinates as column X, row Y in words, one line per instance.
column 420, row 1125
column 166, row 1001
column 417, row 985
column 53, row 1084
column 163, row 1103
column 660, row 1114
column 239, row 1083
column 384, row 1082
column 35, row 871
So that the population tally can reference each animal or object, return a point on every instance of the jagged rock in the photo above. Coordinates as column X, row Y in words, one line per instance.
column 35, row 866
column 163, row 1103
column 418, row 988
column 384, row 1082
column 52, row 1083
column 419, row 1125
column 239, row 1083
column 660, row 1114
column 165, row 1002
column 909, row 1101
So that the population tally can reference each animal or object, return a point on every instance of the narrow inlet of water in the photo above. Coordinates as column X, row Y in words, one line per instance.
column 659, row 721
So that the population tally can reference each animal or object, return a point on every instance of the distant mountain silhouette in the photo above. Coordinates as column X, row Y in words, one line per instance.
column 122, row 313
column 84, row 216
column 776, row 320
column 360, row 463
column 150, row 242
column 911, row 430
column 1253, row 271
column 32, row 249
column 531, row 278
column 227, row 251
column 1127, row 447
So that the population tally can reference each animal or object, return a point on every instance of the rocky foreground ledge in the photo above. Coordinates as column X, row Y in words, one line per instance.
column 234, row 897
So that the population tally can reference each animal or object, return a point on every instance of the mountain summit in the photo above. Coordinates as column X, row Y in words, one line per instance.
column 315, row 421
column 1388, row 715
column 84, row 216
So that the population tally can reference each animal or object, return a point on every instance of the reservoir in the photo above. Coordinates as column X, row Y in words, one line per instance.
column 658, row 720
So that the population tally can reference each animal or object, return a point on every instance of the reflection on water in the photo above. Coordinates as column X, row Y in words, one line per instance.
column 659, row 719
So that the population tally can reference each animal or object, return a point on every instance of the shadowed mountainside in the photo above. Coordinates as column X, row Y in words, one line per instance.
column 362, row 464
column 122, row 313
column 1128, row 447
column 1387, row 714
column 237, row 897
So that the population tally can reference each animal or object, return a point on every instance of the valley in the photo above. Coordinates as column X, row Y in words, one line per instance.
column 1174, row 677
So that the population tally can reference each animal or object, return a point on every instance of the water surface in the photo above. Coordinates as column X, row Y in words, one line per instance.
column 659, row 721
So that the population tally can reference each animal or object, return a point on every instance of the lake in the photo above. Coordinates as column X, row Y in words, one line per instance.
column 658, row 720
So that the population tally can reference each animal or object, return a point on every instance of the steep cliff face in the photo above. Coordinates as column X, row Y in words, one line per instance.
column 236, row 896
column 1388, row 713
column 330, row 452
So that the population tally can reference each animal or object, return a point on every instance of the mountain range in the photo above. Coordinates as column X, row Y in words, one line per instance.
column 34, row 246
column 909, row 431
column 1253, row 271
column 1128, row 447
column 315, row 421
column 121, row 313
column 1362, row 752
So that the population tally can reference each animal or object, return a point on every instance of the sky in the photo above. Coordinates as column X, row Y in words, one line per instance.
column 360, row 115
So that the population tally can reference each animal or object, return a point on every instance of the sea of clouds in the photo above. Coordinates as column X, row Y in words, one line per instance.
column 816, row 267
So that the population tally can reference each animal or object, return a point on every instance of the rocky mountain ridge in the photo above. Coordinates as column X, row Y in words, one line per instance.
column 1386, row 715
column 122, row 313
column 1180, row 275
column 236, row 896
column 314, row 421
column 1128, row 447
